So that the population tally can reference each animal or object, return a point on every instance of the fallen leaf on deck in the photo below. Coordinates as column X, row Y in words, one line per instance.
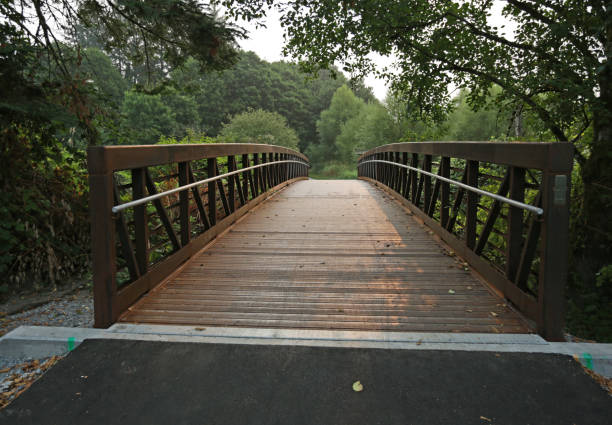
column 493, row 314
column 357, row 386
column 484, row 418
column 450, row 291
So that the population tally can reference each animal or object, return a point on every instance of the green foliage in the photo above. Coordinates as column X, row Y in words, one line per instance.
column 145, row 118
column 256, row 84
column 44, row 227
column 259, row 126
column 343, row 107
column 334, row 170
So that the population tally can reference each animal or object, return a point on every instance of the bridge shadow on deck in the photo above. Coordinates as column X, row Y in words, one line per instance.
column 328, row 255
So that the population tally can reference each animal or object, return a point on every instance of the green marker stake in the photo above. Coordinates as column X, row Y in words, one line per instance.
column 71, row 343
column 588, row 360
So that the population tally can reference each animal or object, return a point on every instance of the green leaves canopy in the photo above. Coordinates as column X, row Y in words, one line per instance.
column 552, row 65
column 260, row 127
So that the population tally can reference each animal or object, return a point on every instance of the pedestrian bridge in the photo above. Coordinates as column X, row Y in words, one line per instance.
column 432, row 237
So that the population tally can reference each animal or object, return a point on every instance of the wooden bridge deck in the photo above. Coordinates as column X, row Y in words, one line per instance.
column 328, row 255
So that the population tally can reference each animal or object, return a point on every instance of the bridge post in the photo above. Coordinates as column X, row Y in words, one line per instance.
column 101, row 200
column 555, row 191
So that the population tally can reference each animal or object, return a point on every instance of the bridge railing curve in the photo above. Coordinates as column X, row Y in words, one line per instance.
column 152, row 207
column 503, row 207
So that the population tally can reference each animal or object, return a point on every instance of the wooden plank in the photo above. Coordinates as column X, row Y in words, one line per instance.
column 524, row 302
column 129, row 294
column 328, row 255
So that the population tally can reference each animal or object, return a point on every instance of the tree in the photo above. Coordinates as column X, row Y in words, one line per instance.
column 158, row 32
column 259, row 126
column 371, row 127
column 344, row 106
column 145, row 118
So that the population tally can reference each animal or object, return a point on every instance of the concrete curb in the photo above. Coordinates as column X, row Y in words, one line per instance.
column 42, row 341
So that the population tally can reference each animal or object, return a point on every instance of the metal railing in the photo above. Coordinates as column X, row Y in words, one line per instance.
column 153, row 207
column 503, row 207
column 147, row 199
column 521, row 205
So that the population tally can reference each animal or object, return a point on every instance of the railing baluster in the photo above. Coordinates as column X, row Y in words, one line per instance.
column 183, row 175
column 413, row 176
column 427, row 180
column 198, row 200
column 231, row 194
column 445, row 195
column 472, row 205
column 530, row 247
column 251, row 183
column 264, row 173
column 224, row 202
column 515, row 222
column 404, row 180
column 492, row 217
column 212, row 196
column 257, row 174
column 141, row 234
column 161, row 212
column 434, row 197
column 397, row 174
column 457, row 204
column 124, row 239
column 245, row 177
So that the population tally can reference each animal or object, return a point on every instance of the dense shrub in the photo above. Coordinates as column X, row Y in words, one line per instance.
column 44, row 229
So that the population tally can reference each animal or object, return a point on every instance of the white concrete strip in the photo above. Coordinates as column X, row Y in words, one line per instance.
column 41, row 341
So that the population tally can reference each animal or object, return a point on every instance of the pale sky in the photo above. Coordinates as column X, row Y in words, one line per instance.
column 268, row 43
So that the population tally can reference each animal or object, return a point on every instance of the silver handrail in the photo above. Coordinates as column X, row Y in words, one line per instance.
column 146, row 199
column 521, row 205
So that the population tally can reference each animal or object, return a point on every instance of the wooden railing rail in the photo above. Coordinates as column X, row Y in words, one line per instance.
column 156, row 224
column 503, row 207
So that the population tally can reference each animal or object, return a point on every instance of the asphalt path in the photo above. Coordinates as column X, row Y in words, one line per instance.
column 136, row 382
